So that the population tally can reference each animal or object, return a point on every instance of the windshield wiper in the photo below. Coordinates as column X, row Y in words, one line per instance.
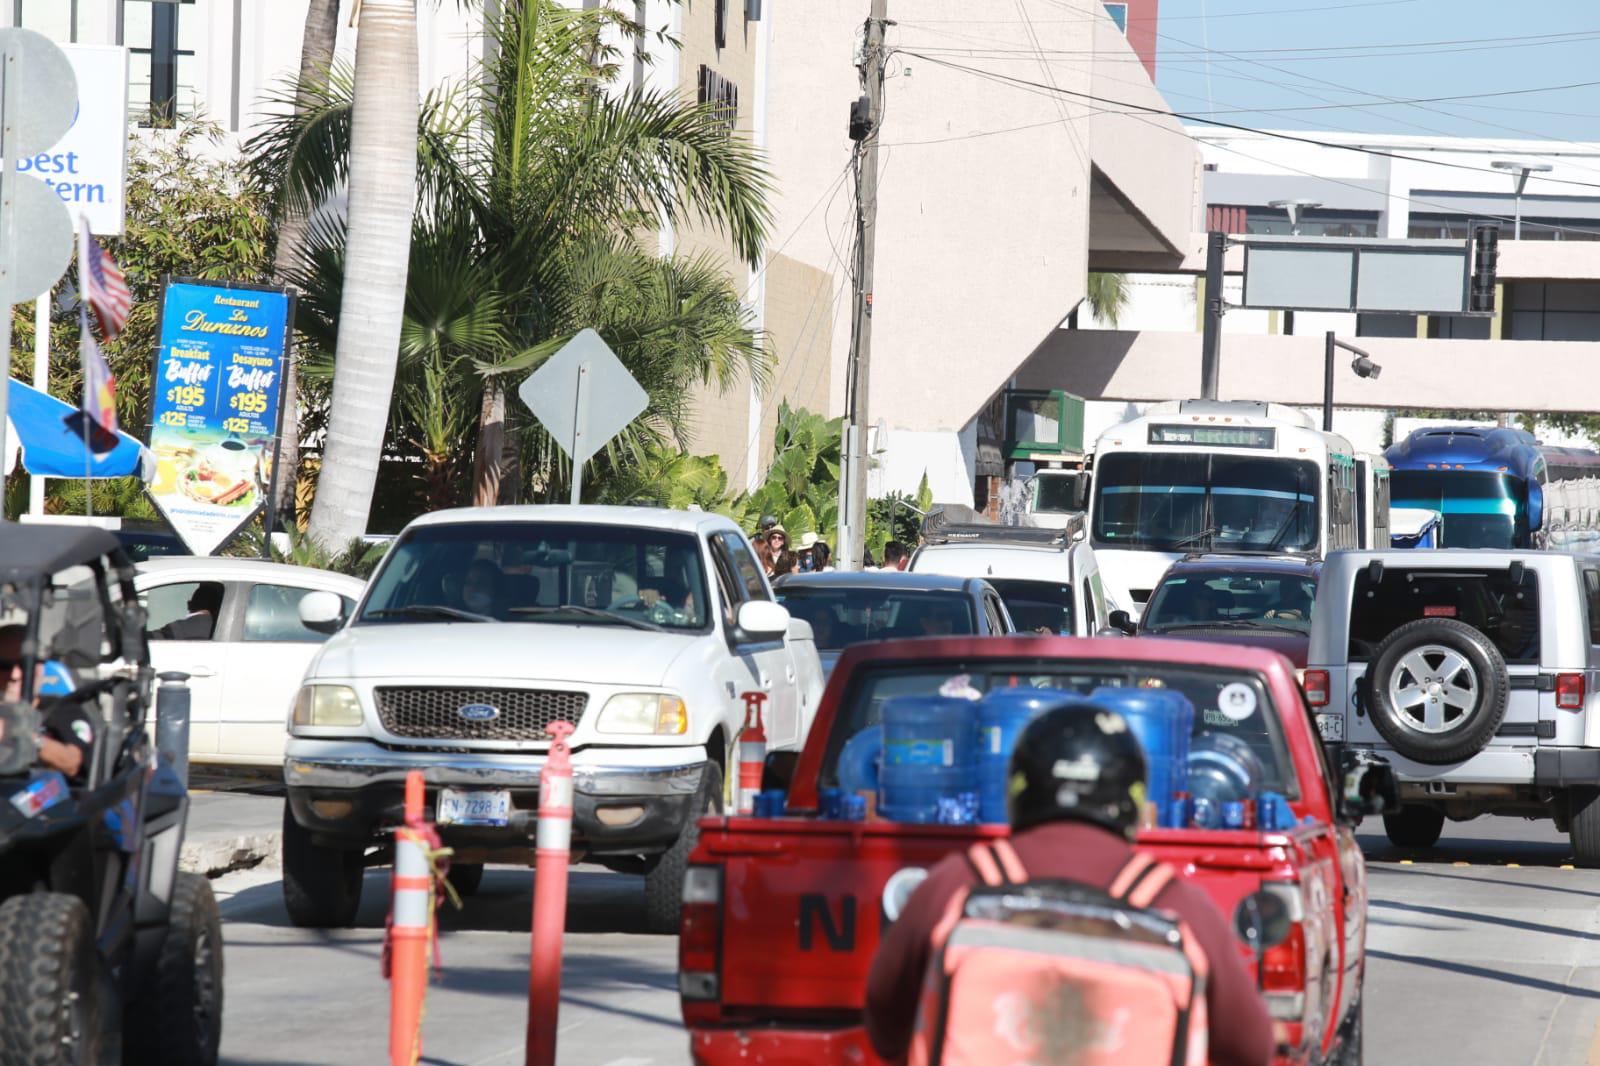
column 1191, row 538
column 428, row 610
column 1225, row 623
column 590, row 612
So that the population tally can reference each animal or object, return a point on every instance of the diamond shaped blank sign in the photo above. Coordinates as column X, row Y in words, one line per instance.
column 583, row 395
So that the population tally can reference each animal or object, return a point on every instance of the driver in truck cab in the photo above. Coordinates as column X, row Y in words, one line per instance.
column 1073, row 826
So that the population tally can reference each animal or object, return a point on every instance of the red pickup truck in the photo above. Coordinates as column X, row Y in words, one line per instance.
column 781, row 916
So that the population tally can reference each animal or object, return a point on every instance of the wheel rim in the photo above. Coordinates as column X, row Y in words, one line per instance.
column 205, row 984
column 1434, row 689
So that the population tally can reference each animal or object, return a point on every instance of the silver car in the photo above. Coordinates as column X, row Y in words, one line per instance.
column 1474, row 673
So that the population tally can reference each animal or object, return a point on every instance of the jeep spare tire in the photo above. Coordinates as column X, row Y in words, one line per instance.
column 1438, row 690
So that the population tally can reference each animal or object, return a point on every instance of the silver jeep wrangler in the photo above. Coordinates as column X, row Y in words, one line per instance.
column 1474, row 673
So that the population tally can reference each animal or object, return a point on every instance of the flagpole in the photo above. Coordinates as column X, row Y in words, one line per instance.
column 88, row 453
column 41, row 381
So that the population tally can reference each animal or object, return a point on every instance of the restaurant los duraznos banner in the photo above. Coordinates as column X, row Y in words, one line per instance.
column 216, row 404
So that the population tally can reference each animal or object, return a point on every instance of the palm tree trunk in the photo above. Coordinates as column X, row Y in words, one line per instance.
column 316, row 55
column 382, row 201
column 491, row 445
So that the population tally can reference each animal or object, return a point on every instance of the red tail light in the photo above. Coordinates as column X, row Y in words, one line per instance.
column 1316, row 687
column 1280, row 913
column 700, row 945
column 1569, row 692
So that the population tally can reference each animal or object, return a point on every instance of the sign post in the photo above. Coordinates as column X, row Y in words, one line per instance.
column 583, row 396
column 216, row 406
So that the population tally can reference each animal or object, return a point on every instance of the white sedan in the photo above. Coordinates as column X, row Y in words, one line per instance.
column 233, row 625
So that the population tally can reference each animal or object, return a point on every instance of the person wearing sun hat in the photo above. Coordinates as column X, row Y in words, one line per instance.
column 817, row 548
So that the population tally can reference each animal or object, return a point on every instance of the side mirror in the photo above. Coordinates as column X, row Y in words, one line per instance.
column 1080, row 492
column 762, row 620
column 1535, row 506
column 321, row 612
column 1123, row 621
column 1367, row 786
column 777, row 773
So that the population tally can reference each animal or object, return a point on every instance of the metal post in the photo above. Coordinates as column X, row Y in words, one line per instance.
column 1211, row 333
column 1327, row 383
column 580, row 428
column 10, row 112
column 857, row 417
column 41, row 381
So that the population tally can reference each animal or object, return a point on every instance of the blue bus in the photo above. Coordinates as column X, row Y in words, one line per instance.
column 1497, row 488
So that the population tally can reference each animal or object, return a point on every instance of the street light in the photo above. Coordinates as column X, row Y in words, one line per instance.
column 1362, row 365
column 1519, row 174
column 1294, row 207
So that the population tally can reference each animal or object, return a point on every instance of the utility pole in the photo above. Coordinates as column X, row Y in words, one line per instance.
column 865, row 116
column 1211, row 324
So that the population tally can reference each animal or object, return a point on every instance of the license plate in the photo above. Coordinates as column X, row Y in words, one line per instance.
column 474, row 808
column 1331, row 726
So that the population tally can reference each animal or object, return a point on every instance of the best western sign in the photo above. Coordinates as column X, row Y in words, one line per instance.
column 87, row 167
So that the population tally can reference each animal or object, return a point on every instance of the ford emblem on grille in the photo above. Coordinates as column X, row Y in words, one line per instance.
column 478, row 712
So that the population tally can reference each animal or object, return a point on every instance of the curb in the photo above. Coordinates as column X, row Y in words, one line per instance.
column 213, row 858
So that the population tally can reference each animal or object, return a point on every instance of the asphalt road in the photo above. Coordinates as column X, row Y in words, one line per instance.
column 1483, row 950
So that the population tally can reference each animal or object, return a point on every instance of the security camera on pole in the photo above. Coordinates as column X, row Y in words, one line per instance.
column 38, row 97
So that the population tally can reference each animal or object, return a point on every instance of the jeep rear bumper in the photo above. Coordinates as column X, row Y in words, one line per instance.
column 625, row 801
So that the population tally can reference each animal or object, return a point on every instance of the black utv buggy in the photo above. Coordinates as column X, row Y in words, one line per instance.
column 107, row 953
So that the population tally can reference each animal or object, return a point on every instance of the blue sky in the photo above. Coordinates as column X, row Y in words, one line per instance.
column 1400, row 68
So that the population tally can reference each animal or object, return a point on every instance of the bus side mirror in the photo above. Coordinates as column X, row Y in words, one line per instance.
column 1080, row 491
column 1535, row 506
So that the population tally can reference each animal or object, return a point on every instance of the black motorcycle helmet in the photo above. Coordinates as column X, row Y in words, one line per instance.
column 768, row 521
column 1077, row 763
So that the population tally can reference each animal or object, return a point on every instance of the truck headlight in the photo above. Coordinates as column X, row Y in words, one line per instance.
column 643, row 712
column 335, row 705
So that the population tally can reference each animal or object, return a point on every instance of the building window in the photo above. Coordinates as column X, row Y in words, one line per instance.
column 1119, row 15
column 1458, row 327
column 1386, row 325
column 1534, row 228
column 1313, row 223
column 56, row 19
column 721, row 93
column 1553, row 311
column 160, row 35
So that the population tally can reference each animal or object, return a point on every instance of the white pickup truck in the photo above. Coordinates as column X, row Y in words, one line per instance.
column 644, row 628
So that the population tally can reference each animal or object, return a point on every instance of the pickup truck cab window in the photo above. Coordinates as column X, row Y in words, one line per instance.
column 841, row 617
column 745, row 571
column 1037, row 605
column 1251, row 716
column 555, row 572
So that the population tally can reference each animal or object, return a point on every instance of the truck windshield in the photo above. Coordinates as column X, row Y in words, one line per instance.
column 1205, row 501
column 585, row 573
column 1198, row 600
column 1037, row 606
column 871, row 685
column 1480, row 508
column 840, row 617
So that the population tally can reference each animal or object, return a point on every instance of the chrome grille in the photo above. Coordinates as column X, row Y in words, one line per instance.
column 435, row 713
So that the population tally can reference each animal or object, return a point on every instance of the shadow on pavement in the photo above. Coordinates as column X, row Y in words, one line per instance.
column 1483, row 971
column 1422, row 871
column 597, row 902
column 1485, row 851
column 1469, row 916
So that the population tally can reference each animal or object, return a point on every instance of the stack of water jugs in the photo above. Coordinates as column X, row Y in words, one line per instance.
column 944, row 759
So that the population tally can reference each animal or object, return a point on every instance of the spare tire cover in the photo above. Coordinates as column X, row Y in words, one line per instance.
column 1438, row 690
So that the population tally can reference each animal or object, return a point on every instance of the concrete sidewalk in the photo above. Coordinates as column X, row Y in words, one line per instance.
column 234, row 824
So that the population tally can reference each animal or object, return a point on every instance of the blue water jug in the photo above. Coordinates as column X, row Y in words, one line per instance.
column 1222, row 769
column 929, row 754
column 1001, row 716
column 1162, row 719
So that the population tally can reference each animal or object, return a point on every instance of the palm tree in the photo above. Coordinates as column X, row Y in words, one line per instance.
column 554, row 172
column 316, row 59
column 383, row 196
column 1108, row 297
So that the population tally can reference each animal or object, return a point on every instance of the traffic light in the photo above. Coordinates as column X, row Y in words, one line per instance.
column 1486, row 241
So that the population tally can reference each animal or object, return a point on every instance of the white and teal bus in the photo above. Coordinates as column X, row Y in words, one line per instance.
column 1223, row 476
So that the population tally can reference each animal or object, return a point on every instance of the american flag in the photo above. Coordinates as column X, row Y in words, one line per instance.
column 104, row 286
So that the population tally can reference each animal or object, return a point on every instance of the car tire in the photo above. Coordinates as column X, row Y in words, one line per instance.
column 1413, row 826
column 49, row 1006
column 176, row 1020
column 663, row 883
column 1438, row 690
column 321, row 886
column 465, row 877
column 1584, row 827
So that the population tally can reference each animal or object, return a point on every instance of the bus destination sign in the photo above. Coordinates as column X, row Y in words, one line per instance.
column 1216, row 436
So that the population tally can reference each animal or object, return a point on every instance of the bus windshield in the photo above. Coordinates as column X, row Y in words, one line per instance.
column 1204, row 502
column 1481, row 508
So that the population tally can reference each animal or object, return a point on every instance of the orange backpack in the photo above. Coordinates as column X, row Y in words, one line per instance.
column 1044, row 971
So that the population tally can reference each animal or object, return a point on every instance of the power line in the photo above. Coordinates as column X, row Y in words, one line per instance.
column 1187, row 116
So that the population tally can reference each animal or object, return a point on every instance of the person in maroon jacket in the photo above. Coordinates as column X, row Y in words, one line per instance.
column 1077, row 786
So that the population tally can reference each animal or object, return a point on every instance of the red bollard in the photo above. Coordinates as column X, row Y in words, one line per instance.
column 552, row 849
column 409, row 930
column 752, row 751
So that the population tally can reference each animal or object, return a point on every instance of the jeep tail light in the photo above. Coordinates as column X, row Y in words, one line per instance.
column 700, row 944
column 1315, row 684
column 1569, row 692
